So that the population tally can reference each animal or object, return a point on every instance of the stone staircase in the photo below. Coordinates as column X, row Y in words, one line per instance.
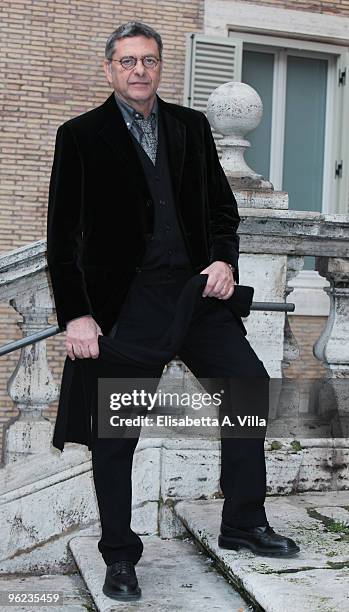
column 50, row 529
column 191, row 572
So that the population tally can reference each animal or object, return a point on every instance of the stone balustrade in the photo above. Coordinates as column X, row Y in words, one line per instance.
column 272, row 246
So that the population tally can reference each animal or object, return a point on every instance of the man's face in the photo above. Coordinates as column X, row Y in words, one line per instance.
column 138, row 84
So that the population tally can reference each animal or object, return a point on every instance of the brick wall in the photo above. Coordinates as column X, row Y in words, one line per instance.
column 306, row 330
column 51, row 70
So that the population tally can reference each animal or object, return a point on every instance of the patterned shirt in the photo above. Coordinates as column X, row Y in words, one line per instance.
column 129, row 114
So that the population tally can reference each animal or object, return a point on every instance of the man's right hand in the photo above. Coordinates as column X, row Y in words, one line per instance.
column 82, row 338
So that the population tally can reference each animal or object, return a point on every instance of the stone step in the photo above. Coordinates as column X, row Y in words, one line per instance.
column 173, row 574
column 75, row 596
column 315, row 580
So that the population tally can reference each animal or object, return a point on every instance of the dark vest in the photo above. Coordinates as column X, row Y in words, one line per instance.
column 166, row 247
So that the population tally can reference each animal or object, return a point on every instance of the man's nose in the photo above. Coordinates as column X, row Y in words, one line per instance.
column 139, row 68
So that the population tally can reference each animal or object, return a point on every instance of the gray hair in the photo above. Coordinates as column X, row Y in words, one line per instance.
column 129, row 29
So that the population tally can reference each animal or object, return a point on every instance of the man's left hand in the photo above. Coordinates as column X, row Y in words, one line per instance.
column 220, row 282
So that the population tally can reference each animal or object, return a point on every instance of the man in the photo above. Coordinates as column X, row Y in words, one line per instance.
column 138, row 204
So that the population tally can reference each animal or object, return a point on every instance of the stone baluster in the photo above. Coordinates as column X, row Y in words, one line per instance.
column 291, row 348
column 284, row 392
column 31, row 386
column 332, row 348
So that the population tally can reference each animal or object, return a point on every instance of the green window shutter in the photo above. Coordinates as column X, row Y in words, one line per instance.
column 210, row 61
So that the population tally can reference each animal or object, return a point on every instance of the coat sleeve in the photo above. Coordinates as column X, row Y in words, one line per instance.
column 64, row 233
column 224, row 216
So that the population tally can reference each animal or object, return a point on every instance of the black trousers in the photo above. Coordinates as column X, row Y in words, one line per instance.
column 215, row 346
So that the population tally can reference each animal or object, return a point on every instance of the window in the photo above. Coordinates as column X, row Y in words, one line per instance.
column 289, row 145
column 300, row 144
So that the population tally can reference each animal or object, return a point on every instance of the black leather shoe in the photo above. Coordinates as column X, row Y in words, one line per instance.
column 121, row 581
column 262, row 540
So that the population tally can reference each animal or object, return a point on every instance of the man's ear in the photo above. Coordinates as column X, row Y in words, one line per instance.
column 107, row 71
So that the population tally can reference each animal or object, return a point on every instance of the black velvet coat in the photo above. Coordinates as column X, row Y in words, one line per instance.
column 100, row 213
column 100, row 209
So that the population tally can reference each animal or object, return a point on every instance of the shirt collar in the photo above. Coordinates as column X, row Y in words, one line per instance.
column 129, row 113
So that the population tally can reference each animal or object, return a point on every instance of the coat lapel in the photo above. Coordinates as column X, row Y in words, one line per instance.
column 175, row 134
column 116, row 135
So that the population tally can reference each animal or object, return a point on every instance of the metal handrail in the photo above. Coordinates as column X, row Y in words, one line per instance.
column 31, row 339
column 55, row 329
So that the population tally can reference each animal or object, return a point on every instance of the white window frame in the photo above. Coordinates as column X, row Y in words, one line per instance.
column 220, row 16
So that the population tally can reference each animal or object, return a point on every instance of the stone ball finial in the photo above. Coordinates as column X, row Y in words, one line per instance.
column 233, row 110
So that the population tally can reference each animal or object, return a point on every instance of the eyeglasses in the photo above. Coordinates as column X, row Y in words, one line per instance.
column 130, row 62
